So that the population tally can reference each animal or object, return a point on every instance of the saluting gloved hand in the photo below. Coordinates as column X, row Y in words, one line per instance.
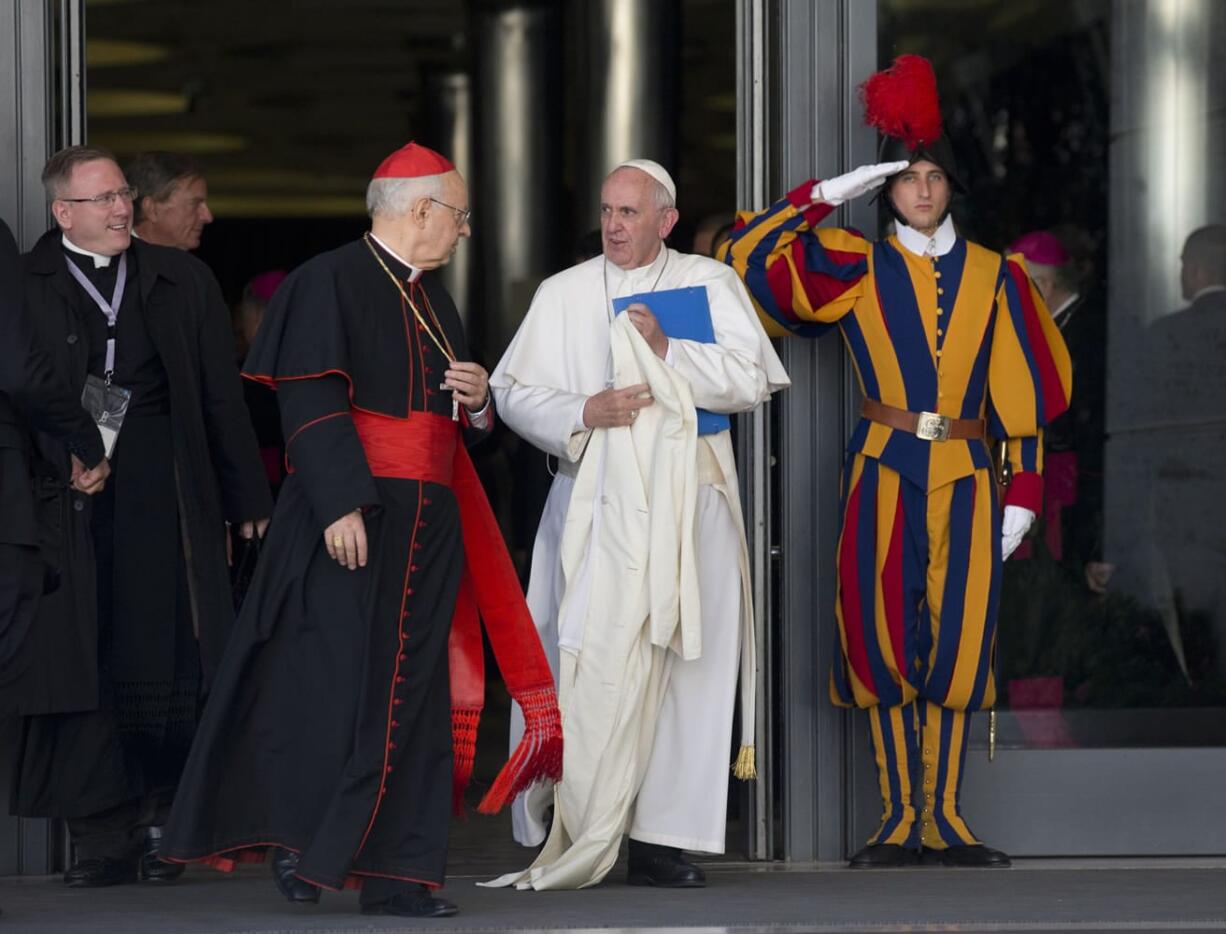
column 855, row 183
column 1014, row 525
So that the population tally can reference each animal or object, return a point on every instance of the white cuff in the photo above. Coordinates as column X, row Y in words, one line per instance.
column 579, row 423
column 481, row 417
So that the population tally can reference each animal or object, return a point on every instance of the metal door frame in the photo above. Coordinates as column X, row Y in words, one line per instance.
column 42, row 109
column 798, row 64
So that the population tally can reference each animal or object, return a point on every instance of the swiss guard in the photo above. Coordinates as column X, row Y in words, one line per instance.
column 957, row 356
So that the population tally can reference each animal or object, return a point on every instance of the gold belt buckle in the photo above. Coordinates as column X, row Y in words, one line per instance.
column 932, row 426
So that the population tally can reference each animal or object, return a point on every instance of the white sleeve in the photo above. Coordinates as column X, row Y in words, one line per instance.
column 548, row 418
column 726, row 376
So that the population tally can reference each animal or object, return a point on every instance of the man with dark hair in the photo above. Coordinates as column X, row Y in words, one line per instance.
column 952, row 343
column 1185, row 384
column 143, row 329
column 1203, row 263
column 171, row 206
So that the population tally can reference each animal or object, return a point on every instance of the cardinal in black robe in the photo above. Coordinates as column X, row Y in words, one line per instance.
column 341, row 727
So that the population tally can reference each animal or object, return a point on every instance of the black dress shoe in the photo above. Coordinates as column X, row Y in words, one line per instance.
column 152, row 869
column 284, row 869
column 662, row 866
column 974, row 856
column 884, row 856
column 412, row 904
column 99, row 871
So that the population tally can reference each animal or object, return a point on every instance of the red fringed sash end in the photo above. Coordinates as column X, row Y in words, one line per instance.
column 538, row 755
column 464, row 749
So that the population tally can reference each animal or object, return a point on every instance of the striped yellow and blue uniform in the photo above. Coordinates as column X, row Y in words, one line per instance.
column 965, row 335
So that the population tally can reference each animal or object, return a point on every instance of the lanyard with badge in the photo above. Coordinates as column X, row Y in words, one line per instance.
column 106, row 403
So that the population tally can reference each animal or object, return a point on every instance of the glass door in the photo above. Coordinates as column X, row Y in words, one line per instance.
column 1091, row 135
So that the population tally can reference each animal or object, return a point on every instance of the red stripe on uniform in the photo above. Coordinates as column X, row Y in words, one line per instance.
column 779, row 280
column 1025, row 490
column 820, row 287
column 850, row 596
column 892, row 588
column 1054, row 400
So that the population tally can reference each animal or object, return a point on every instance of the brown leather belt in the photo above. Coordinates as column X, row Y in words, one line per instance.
column 926, row 425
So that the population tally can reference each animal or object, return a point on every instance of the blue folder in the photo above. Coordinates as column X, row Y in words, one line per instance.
column 686, row 315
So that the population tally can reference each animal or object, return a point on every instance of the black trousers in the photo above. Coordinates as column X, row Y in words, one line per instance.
column 119, row 832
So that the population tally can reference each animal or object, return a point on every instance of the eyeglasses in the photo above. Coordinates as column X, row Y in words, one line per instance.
column 106, row 199
column 462, row 215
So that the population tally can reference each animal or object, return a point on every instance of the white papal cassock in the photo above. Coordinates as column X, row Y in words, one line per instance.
column 560, row 356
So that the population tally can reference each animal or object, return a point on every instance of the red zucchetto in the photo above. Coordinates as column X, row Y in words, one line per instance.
column 413, row 161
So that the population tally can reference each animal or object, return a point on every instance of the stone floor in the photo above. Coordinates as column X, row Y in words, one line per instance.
column 1036, row 895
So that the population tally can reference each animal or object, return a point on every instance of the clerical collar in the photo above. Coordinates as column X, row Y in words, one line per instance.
column 1064, row 306
column 1208, row 290
column 100, row 261
column 414, row 272
column 920, row 244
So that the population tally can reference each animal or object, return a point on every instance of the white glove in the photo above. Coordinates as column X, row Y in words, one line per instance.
column 855, row 183
column 1014, row 525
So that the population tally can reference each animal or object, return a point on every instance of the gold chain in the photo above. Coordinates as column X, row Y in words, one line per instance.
column 446, row 351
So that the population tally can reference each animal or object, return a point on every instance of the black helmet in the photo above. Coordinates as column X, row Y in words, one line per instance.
column 902, row 103
column 939, row 152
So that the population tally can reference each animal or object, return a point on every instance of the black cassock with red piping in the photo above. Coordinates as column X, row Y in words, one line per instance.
column 342, row 722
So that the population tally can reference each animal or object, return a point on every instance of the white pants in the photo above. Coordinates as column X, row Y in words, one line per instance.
column 684, row 796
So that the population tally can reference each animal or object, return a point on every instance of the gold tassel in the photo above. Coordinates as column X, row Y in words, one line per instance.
column 744, row 767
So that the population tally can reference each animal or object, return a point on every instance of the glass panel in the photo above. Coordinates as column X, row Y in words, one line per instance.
column 1100, row 123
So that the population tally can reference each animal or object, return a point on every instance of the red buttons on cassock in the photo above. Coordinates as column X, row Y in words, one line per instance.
column 396, row 701
column 400, row 679
column 404, row 658
column 395, row 723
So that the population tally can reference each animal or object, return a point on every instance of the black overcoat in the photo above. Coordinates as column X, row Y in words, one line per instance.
column 31, row 392
column 218, row 470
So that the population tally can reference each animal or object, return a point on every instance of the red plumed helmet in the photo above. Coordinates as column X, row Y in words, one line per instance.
column 902, row 102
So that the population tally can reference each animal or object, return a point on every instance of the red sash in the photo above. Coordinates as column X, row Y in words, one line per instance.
column 428, row 447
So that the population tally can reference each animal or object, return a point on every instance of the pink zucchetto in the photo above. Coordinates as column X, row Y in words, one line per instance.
column 1041, row 247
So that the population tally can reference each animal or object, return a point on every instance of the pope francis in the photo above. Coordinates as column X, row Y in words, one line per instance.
column 639, row 584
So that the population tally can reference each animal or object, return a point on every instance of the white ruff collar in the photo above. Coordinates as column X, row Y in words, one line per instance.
column 920, row 244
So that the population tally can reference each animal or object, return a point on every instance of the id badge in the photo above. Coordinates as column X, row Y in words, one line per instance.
column 107, row 405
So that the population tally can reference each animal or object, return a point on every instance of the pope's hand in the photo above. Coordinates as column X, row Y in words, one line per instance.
column 855, row 183
column 345, row 540
column 649, row 326
column 615, row 408
column 1014, row 525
